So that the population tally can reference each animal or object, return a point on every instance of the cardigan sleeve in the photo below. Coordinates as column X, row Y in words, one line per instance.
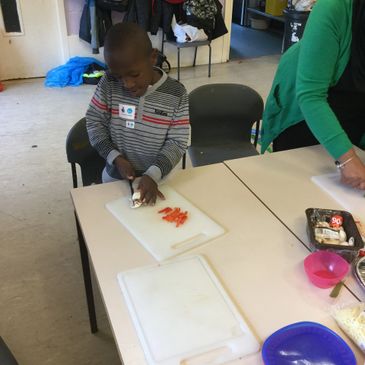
column 317, row 66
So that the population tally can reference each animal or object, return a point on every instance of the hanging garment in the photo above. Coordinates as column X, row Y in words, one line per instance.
column 220, row 28
column 115, row 5
column 201, row 14
column 139, row 11
column 153, row 14
column 94, row 24
column 164, row 13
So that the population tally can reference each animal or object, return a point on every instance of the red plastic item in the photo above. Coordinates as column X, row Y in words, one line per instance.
column 166, row 210
column 361, row 253
column 325, row 269
column 336, row 221
column 2, row 87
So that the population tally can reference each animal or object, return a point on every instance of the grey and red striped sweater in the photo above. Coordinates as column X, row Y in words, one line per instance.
column 154, row 140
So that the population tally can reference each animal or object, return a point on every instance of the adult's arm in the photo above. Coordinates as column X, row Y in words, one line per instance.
column 317, row 66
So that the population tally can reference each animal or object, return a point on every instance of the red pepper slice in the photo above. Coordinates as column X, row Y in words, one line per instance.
column 165, row 210
column 174, row 215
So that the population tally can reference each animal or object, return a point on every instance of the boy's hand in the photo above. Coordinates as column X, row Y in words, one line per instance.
column 125, row 168
column 149, row 190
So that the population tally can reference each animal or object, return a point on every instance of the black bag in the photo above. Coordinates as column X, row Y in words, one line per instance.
column 162, row 62
column 116, row 5
column 93, row 74
column 201, row 14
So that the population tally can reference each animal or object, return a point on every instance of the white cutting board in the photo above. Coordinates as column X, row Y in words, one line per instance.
column 350, row 199
column 160, row 238
column 183, row 315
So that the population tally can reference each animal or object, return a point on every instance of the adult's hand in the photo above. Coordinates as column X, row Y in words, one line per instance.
column 353, row 173
column 149, row 190
column 125, row 168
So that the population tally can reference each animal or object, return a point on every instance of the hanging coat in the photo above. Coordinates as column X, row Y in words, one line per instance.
column 139, row 11
column 220, row 28
column 94, row 24
column 153, row 14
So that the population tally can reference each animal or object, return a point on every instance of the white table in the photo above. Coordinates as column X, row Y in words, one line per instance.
column 282, row 182
column 259, row 262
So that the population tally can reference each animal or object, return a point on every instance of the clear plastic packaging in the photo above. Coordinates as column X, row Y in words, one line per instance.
column 351, row 319
column 349, row 252
column 359, row 270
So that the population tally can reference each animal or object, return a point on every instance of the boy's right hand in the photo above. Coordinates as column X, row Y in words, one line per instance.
column 125, row 168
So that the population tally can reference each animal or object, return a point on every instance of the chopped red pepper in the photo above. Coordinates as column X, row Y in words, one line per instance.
column 174, row 215
column 166, row 210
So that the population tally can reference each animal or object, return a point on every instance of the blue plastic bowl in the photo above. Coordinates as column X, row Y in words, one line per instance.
column 306, row 343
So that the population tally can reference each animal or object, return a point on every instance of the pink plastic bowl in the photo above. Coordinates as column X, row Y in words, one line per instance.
column 325, row 269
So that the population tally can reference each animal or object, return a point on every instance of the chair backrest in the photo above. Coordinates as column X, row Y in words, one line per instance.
column 79, row 151
column 221, row 112
column 6, row 357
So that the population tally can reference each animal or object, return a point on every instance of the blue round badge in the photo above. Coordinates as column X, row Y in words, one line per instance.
column 129, row 110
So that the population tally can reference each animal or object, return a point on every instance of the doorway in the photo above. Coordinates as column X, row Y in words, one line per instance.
column 32, row 37
column 248, row 42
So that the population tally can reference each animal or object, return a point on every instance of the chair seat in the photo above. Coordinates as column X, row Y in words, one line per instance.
column 6, row 357
column 189, row 44
column 201, row 155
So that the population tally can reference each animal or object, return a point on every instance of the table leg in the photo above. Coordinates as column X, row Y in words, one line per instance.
column 87, row 278
column 196, row 50
column 184, row 161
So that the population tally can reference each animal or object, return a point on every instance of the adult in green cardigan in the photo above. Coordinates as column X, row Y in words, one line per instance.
column 318, row 94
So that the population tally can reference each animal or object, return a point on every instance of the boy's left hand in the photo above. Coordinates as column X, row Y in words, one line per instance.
column 149, row 190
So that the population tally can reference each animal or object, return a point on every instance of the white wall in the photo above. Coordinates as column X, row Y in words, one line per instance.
column 77, row 47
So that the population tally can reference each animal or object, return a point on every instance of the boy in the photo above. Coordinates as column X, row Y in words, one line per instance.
column 138, row 118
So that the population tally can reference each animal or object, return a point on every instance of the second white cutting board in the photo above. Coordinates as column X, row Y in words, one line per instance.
column 183, row 315
column 160, row 238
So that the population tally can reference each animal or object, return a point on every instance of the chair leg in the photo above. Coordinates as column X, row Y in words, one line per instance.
column 163, row 42
column 178, row 63
column 210, row 61
column 87, row 278
column 196, row 51
column 257, row 133
column 74, row 175
column 184, row 161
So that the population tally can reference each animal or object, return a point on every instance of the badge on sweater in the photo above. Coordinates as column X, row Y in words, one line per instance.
column 127, row 111
column 129, row 124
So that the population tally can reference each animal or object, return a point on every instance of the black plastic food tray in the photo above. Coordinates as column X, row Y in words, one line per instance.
column 349, row 225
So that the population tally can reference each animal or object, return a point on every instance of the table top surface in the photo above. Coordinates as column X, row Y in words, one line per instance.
column 258, row 261
column 282, row 182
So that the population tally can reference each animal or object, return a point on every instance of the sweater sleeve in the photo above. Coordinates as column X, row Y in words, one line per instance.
column 318, row 62
column 175, row 144
column 97, row 122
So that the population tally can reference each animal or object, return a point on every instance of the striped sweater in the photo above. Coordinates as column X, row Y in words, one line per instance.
column 154, row 139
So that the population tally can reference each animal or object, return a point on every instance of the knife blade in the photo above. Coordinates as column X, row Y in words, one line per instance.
column 131, row 188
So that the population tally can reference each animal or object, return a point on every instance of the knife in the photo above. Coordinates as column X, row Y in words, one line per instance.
column 131, row 187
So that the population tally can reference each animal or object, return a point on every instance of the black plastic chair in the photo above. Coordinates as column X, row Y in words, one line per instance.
column 195, row 44
column 6, row 357
column 221, row 117
column 79, row 151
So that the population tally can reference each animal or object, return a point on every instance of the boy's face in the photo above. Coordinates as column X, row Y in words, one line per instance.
column 133, row 68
